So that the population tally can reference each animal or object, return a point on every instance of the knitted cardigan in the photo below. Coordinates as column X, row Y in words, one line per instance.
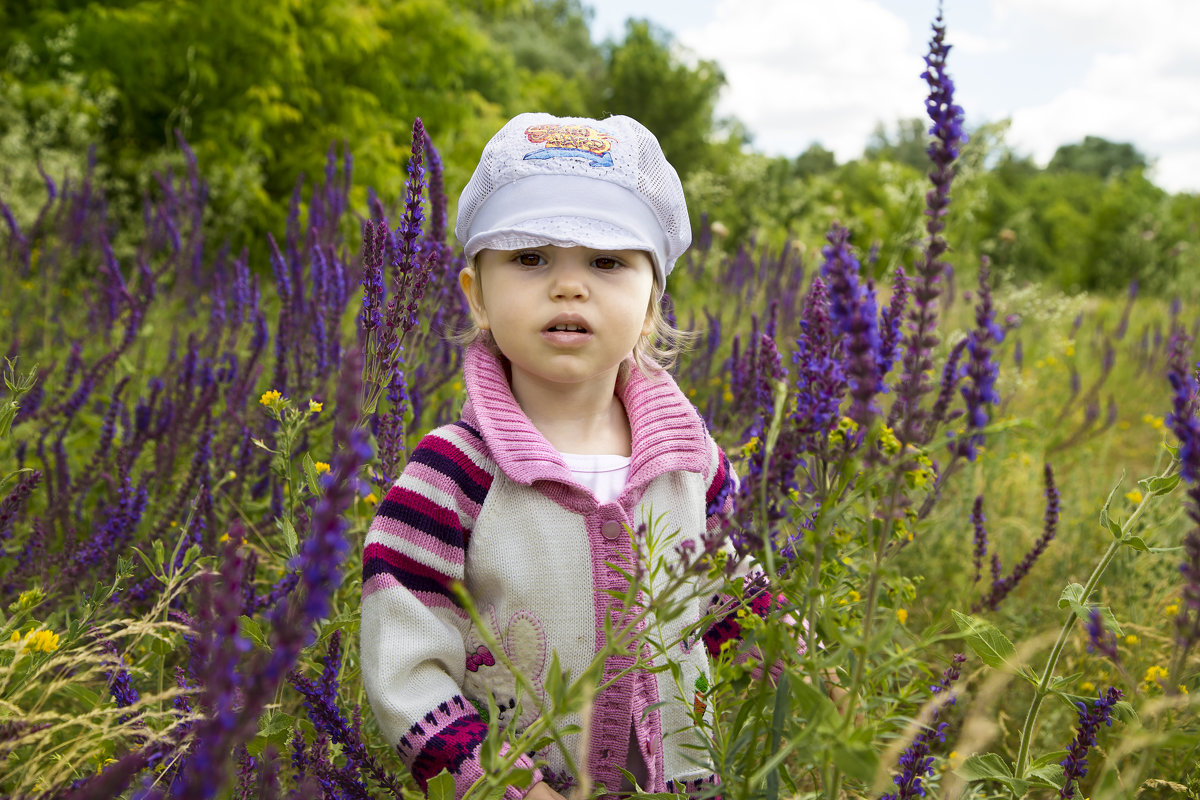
column 488, row 502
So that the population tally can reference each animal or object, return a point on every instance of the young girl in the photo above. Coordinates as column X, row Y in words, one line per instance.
column 570, row 435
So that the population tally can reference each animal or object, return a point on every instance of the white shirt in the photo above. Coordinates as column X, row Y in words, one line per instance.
column 604, row 474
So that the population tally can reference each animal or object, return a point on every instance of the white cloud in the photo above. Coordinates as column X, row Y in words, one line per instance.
column 1141, row 88
column 965, row 43
column 801, row 71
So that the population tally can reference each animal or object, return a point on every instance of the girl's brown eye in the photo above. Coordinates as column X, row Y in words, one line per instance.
column 529, row 259
column 606, row 263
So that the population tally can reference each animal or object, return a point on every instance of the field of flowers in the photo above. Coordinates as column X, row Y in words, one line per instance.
column 984, row 501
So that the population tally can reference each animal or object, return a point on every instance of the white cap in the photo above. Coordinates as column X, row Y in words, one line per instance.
column 567, row 181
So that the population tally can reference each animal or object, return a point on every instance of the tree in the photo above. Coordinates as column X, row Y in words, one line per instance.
column 909, row 147
column 646, row 80
column 1097, row 156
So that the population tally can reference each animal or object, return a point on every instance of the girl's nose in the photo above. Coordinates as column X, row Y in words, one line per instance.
column 570, row 281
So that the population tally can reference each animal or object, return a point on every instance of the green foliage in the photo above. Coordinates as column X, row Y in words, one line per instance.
column 1097, row 156
column 908, row 147
column 641, row 72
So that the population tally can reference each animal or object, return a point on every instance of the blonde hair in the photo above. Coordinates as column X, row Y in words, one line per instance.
column 656, row 351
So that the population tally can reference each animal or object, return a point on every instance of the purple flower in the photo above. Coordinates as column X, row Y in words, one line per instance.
column 980, row 391
column 981, row 537
column 120, row 684
column 1001, row 587
column 374, row 245
column 11, row 504
column 1075, row 764
column 820, row 374
column 951, row 376
column 852, row 308
column 1185, row 400
column 1185, row 385
column 1100, row 638
column 890, row 320
column 906, row 416
column 320, row 699
column 916, row 763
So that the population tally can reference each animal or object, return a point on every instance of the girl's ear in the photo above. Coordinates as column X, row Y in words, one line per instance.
column 468, row 281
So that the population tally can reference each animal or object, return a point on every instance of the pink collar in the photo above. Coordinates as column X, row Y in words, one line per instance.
column 668, row 433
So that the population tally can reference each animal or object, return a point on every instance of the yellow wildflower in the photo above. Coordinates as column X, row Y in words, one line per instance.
column 902, row 616
column 888, row 441
column 223, row 538
column 1087, row 686
column 321, row 467
column 270, row 398
column 1172, row 608
column 42, row 641
column 1070, row 351
column 1134, row 496
column 751, row 447
column 1153, row 421
column 1131, row 639
column 314, row 407
column 851, row 597
column 1183, row 689
column 30, row 598
column 230, row 475
column 371, row 499
column 1155, row 676
column 16, row 636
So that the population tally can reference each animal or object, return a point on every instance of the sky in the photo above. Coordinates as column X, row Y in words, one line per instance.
column 805, row 71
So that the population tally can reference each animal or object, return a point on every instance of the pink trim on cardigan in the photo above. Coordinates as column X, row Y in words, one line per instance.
column 668, row 434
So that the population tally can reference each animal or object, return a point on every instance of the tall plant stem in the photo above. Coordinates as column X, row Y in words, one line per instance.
column 1043, row 687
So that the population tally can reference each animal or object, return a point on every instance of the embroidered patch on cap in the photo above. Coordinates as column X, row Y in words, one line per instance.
column 571, row 141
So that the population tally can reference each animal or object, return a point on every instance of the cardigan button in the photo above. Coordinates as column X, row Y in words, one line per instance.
column 612, row 530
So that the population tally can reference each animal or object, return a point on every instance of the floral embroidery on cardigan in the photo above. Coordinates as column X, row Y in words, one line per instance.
column 523, row 640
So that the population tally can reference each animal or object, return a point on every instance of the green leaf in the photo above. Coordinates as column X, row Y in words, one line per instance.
column 1047, row 771
column 146, row 560
column 1136, row 542
column 779, row 718
column 1159, row 484
column 991, row 767
column 554, row 682
column 857, row 759
column 273, row 728
column 82, row 694
column 986, row 767
column 253, row 631
column 986, row 640
column 1072, row 595
column 310, row 474
column 1105, row 520
column 441, row 786
column 520, row 778
column 289, row 535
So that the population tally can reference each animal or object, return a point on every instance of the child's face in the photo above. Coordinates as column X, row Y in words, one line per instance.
column 527, row 299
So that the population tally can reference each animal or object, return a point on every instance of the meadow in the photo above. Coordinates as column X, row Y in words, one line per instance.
column 980, row 493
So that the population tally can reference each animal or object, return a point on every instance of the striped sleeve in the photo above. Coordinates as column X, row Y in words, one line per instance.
column 722, row 485
column 413, row 626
